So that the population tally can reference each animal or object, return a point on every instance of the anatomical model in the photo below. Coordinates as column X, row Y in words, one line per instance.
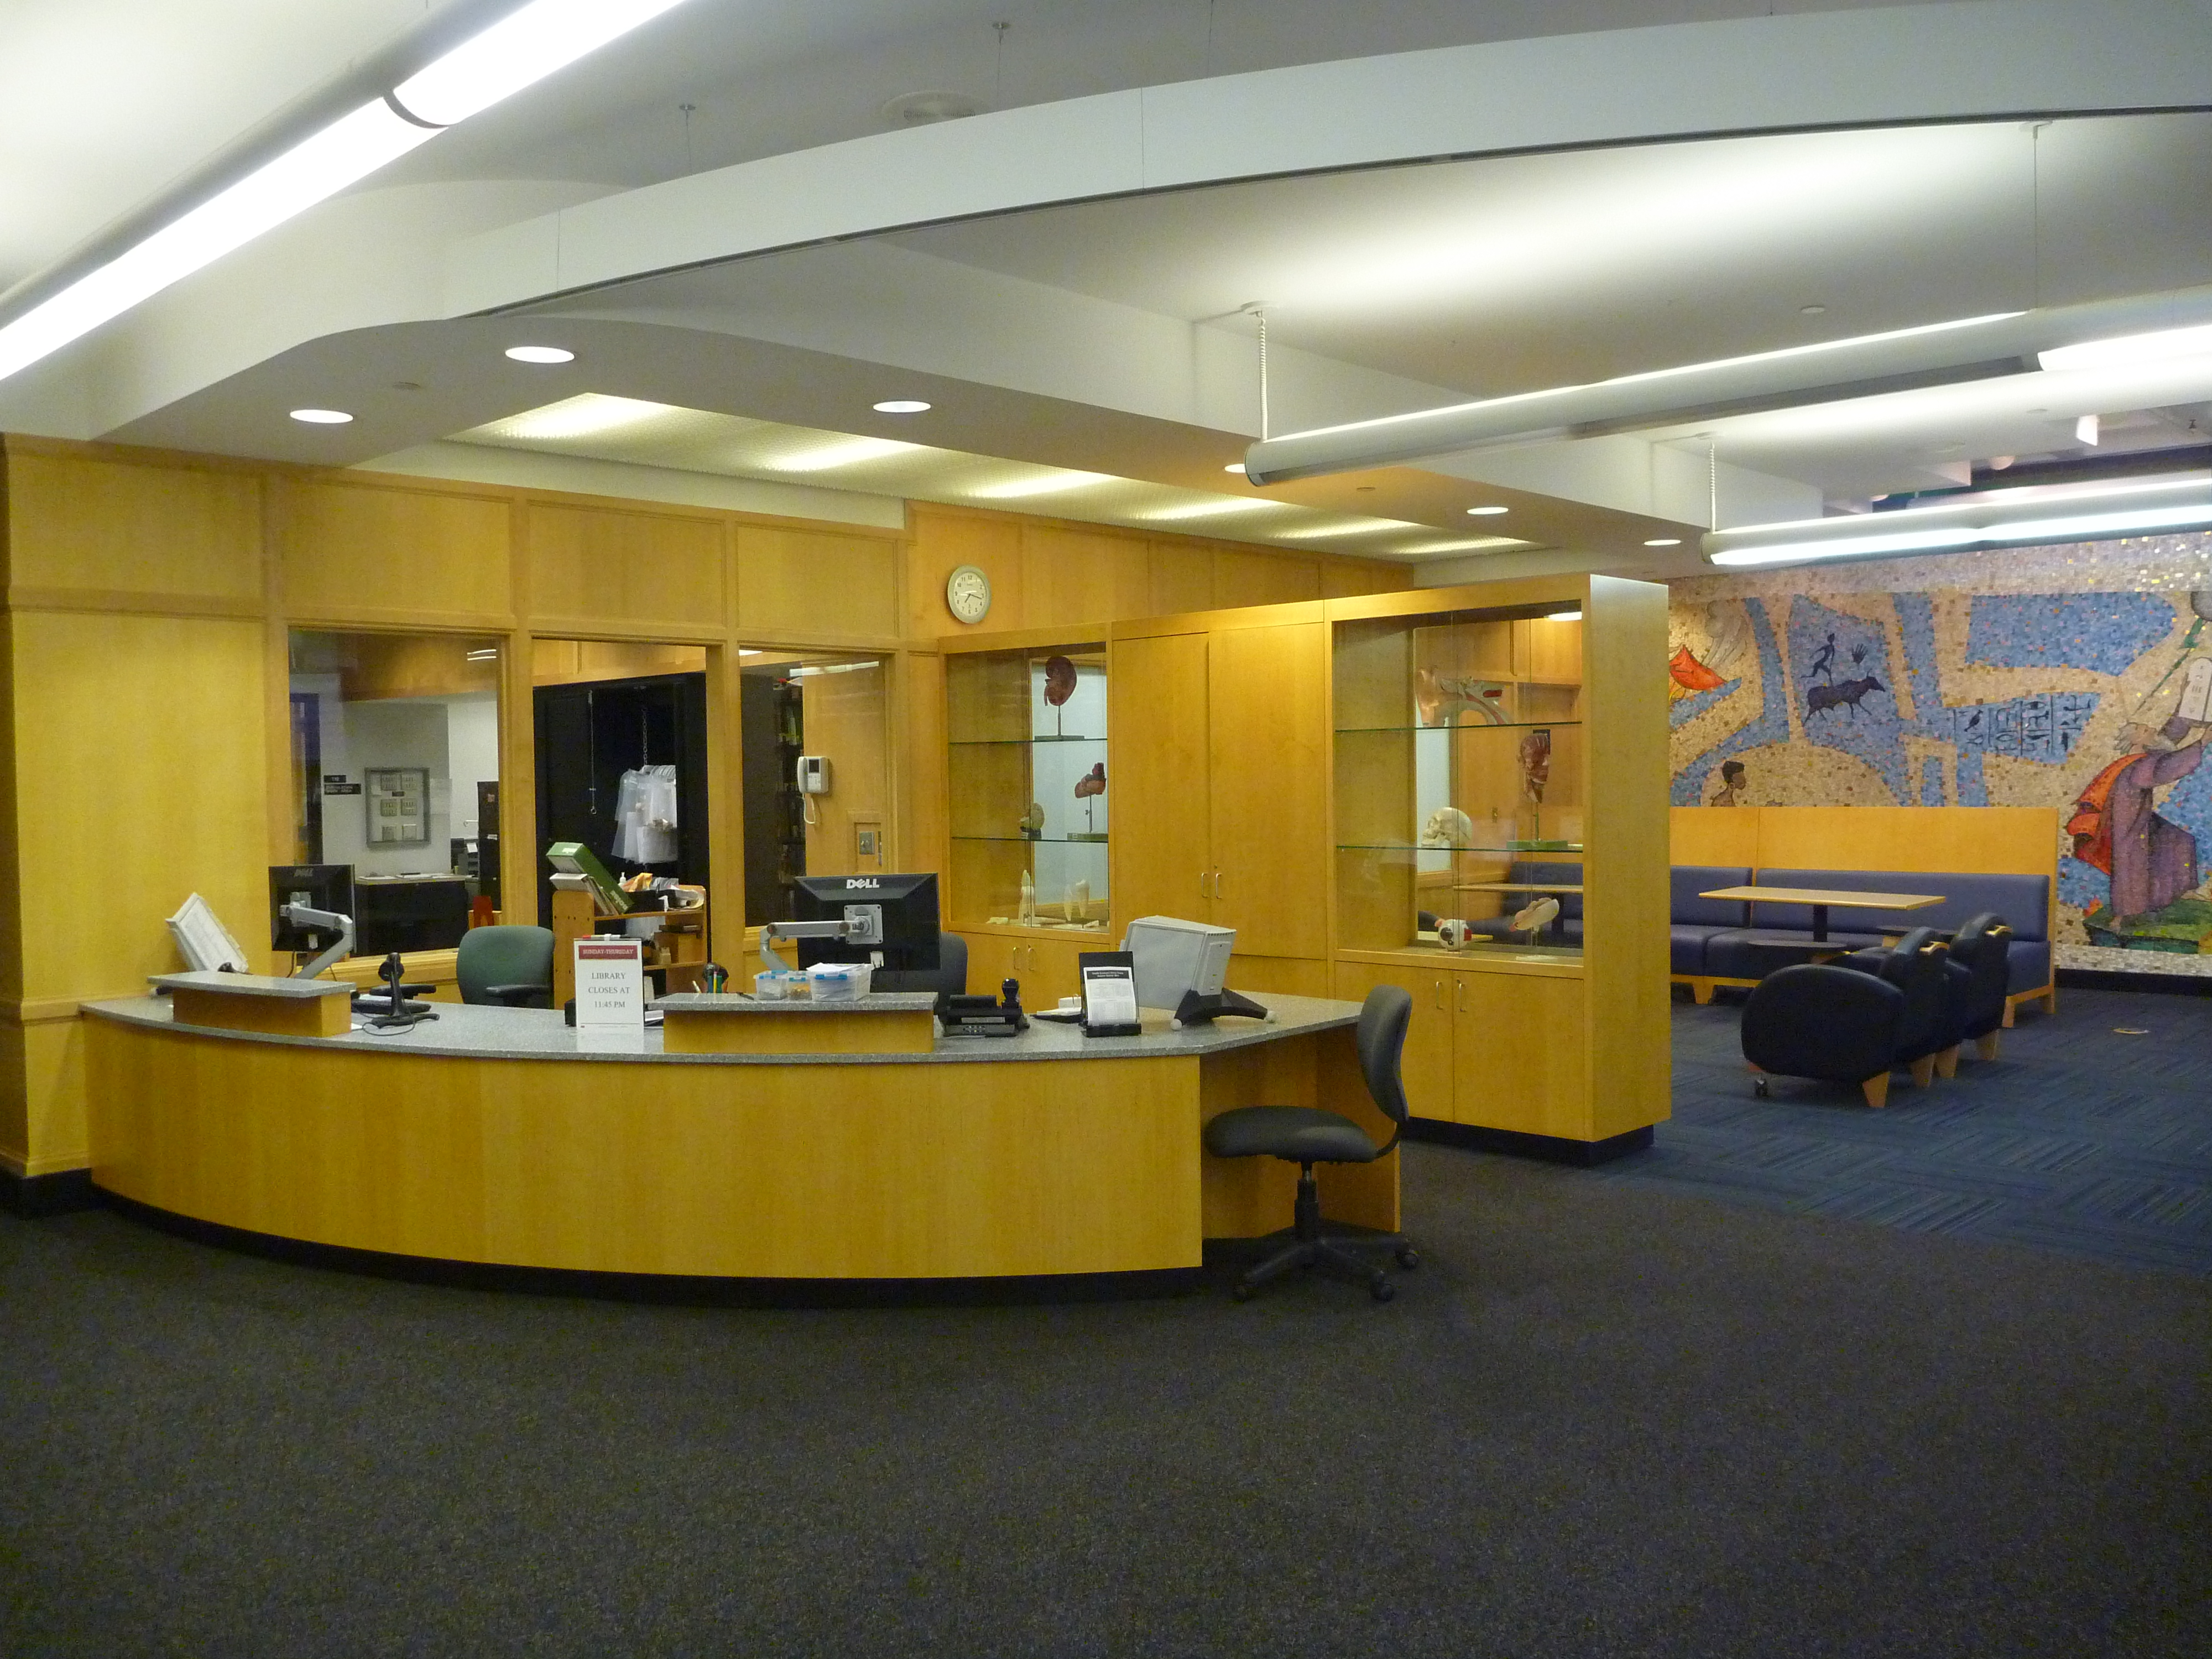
column 1437, row 697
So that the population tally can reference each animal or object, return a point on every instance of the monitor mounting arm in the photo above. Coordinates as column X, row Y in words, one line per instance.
column 863, row 925
column 301, row 915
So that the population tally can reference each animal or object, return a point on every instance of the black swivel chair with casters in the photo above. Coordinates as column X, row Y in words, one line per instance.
column 1307, row 1135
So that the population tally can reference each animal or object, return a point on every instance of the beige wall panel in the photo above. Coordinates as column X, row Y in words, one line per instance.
column 942, row 542
column 806, row 581
column 144, row 736
column 1156, row 689
column 846, row 718
column 1714, row 835
column 55, row 1135
column 1241, row 577
column 1071, row 577
column 123, row 527
column 1268, row 762
column 632, row 567
column 373, row 547
column 1182, row 576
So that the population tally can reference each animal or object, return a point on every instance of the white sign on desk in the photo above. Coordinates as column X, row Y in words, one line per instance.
column 610, row 985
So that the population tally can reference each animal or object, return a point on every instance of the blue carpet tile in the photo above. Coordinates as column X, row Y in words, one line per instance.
column 2075, row 1138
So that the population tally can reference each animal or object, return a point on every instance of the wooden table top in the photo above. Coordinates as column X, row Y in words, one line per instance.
column 1825, row 896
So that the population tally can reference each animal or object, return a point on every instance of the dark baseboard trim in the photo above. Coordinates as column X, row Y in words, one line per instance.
column 48, row 1195
column 678, row 1290
column 1551, row 1149
column 2099, row 978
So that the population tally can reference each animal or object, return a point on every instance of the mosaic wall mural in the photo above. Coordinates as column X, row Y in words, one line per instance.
column 2078, row 677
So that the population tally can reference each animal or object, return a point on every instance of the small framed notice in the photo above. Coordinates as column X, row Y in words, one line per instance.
column 610, row 985
column 1110, row 993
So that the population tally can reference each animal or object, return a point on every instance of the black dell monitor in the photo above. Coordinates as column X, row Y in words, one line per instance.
column 319, row 887
column 900, row 911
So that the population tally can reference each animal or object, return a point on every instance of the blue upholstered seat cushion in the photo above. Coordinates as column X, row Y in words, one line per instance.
column 2023, row 901
column 2028, row 966
column 1686, row 948
column 1686, row 881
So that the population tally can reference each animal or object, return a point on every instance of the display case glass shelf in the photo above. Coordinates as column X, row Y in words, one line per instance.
column 1026, row 742
column 1460, row 784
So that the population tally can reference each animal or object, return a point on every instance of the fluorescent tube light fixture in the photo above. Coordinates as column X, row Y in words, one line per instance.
column 2126, row 350
column 525, row 47
column 1999, row 518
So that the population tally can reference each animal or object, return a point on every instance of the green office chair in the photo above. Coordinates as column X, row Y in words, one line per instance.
column 505, row 967
column 1307, row 1135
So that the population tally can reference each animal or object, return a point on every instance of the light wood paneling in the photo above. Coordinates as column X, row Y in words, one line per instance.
column 572, row 662
column 845, row 717
column 383, row 666
column 661, row 570
column 1162, row 840
column 1713, row 835
column 943, row 542
column 1519, row 1045
column 1344, row 578
column 1297, row 976
column 797, row 1031
column 324, row 1016
column 1250, row 1197
column 348, row 549
column 1072, row 578
column 923, row 828
column 809, row 582
column 86, row 523
column 1553, row 651
column 877, row 1170
column 1182, row 577
column 1624, row 948
column 1242, row 578
column 2023, row 839
column 1267, row 691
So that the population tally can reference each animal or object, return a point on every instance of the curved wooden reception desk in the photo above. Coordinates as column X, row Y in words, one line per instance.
column 488, row 1137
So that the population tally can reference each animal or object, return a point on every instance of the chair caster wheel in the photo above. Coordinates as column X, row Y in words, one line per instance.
column 1381, row 1288
column 1759, row 1087
column 1408, row 1257
column 1240, row 1292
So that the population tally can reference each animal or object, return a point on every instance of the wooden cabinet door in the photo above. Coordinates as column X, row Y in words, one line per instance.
column 1051, row 968
column 1267, row 755
column 1426, row 1069
column 1521, row 1057
column 1157, row 734
column 990, row 959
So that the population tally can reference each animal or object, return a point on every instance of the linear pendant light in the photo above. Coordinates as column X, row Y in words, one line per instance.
column 401, row 110
column 2000, row 518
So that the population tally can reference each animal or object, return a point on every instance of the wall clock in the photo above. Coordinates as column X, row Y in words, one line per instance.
column 967, row 594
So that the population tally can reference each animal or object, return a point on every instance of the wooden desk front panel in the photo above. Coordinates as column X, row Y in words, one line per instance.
column 882, row 1170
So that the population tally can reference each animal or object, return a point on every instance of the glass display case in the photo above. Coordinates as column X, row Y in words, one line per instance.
column 1026, row 731
column 1461, row 783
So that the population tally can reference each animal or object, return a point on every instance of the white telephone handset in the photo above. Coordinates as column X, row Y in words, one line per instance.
column 811, row 774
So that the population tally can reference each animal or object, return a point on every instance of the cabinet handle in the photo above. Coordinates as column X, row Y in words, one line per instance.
column 1201, row 882
column 1440, row 996
column 1459, row 997
column 1217, row 884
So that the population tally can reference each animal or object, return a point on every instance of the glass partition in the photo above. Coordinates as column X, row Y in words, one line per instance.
column 826, row 706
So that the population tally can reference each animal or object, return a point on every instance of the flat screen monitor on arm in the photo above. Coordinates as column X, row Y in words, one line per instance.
column 888, row 920
column 1182, row 966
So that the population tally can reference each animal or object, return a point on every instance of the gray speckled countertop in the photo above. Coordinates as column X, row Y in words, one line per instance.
column 731, row 1002
column 464, row 1032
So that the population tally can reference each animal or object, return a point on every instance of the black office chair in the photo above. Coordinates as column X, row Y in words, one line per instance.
column 1307, row 1135
column 949, row 976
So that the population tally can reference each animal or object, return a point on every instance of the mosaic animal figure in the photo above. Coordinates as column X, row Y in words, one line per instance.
column 1844, row 694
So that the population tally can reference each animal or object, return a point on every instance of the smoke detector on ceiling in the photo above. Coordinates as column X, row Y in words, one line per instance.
column 917, row 109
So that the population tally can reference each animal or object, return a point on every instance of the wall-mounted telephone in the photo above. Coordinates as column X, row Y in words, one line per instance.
column 812, row 776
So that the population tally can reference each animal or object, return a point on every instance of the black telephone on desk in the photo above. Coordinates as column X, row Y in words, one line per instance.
column 966, row 1016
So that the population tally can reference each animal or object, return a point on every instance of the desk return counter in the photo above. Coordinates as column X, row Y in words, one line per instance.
column 490, row 1136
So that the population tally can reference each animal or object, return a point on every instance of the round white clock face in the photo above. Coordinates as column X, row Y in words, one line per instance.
column 967, row 594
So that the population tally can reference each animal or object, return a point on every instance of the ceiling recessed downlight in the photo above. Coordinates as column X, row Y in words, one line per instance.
column 1486, row 512
column 322, row 417
column 1664, row 541
column 530, row 353
column 902, row 406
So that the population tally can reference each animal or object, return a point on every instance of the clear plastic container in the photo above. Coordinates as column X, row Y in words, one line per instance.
column 839, row 982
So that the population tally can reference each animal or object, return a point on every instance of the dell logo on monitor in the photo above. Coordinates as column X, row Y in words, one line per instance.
column 853, row 883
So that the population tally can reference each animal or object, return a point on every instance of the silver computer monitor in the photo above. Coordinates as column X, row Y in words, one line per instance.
column 1174, row 957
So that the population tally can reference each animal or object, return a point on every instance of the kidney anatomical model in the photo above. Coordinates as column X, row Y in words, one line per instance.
column 1059, row 680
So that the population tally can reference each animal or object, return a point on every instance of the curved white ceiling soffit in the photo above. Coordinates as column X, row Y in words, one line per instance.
column 446, row 250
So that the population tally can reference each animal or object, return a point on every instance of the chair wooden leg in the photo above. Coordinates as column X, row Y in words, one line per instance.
column 1946, row 1063
column 1922, row 1071
column 2051, row 999
column 2009, row 1006
column 1876, row 1090
column 1986, row 1045
column 1701, row 992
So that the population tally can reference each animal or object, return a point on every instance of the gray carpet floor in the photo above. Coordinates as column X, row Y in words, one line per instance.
column 2090, row 1134
column 1602, row 1420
